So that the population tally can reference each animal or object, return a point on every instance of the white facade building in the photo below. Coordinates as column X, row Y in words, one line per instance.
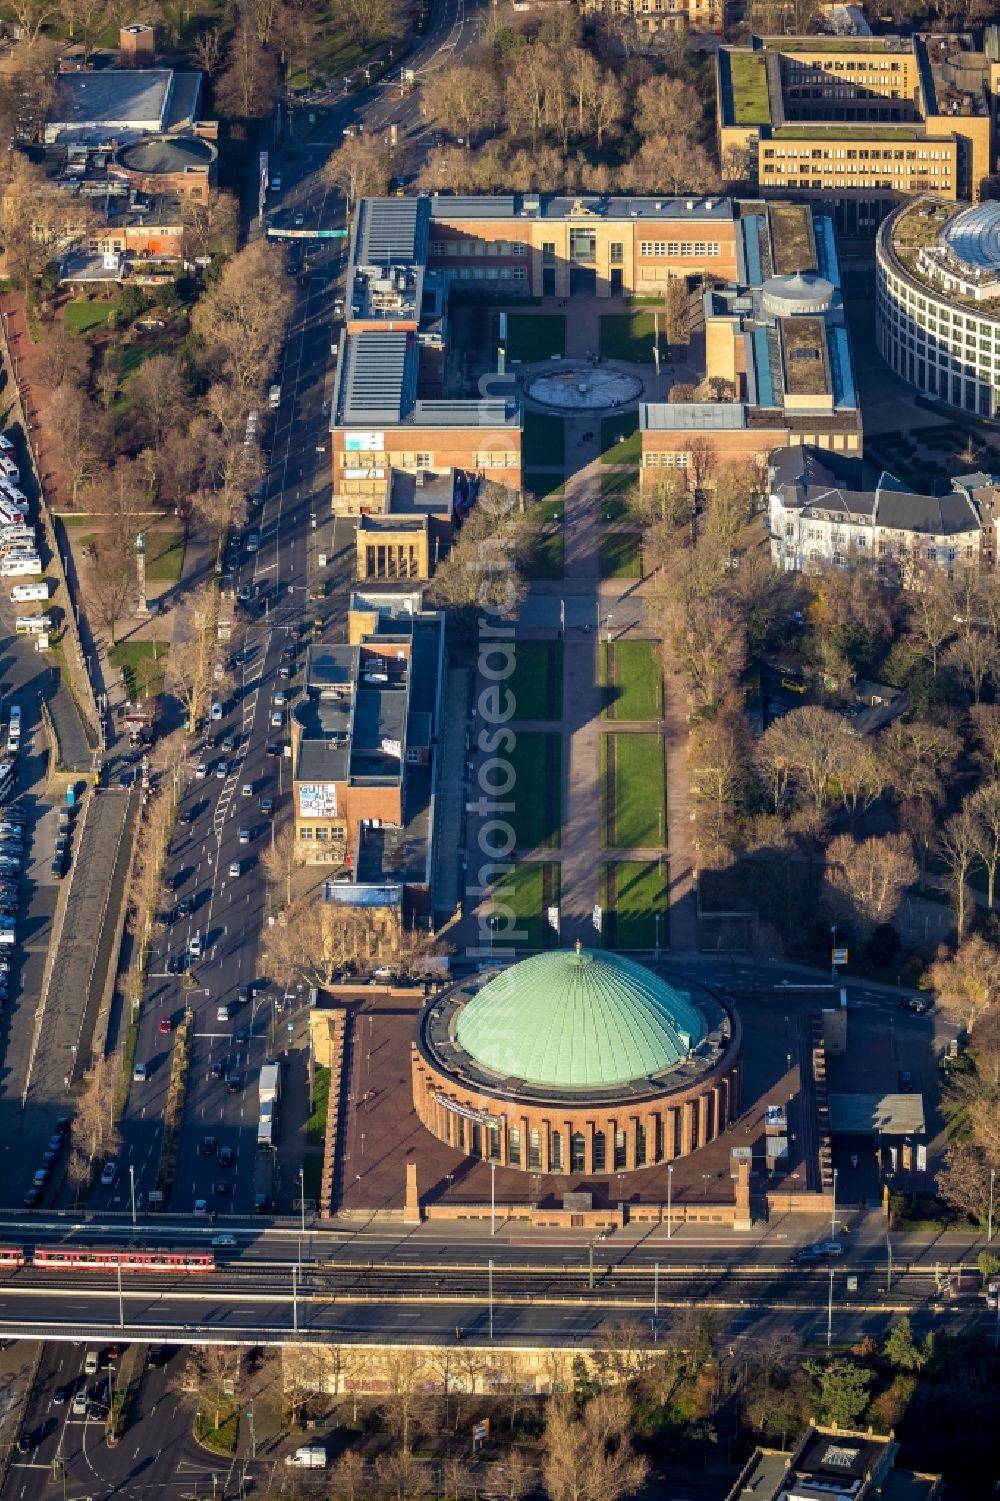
column 937, row 308
column 815, row 518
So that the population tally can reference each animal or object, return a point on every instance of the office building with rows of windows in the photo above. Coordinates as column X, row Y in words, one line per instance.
column 860, row 122
column 938, row 301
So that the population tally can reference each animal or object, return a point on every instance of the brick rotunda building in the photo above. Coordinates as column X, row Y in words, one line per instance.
column 576, row 1062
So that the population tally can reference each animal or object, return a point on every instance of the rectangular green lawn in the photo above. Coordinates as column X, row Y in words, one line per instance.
column 629, row 336
column 537, row 791
column 532, row 337
column 164, row 556
column 631, row 680
column 621, row 441
column 528, row 891
column 634, row 788
column 620, row 555
column 633, row 893
column 547, row 559
column 537, row 680
column 82, row 317
column 142, row 665
column 544, row 441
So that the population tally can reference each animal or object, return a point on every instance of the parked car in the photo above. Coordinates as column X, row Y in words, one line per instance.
column 109, row 1172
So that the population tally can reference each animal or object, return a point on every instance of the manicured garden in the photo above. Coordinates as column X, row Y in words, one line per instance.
column 528, row 891
column 633, row 894
column 632, row 680
column 548, row 556
column 532, row 337
column 142, row 665
column 621, row 441
column 544, row 441
column 633, row 786
column 629, row 336
column 620, row 555
column 536, row 684
column 164, row 556
column 537, row 791
column 83, row 316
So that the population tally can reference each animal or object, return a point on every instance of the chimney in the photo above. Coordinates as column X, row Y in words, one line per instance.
column 137, row 46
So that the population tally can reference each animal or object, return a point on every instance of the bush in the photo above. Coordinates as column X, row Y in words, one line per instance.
column 883, row 945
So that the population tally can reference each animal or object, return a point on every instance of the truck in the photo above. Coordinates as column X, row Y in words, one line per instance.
column 274, row 396
column 308, row 1457
column 269, row 1090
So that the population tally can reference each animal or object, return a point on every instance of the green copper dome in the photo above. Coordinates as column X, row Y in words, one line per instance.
column 578, row 1020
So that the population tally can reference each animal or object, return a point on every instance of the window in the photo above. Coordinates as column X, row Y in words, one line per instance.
column 549, row 250
column 534, row 1149
column 423, row 460
column 620, row 1151
column 439, row 247
column 600, row 1152
column 577, row 1152
column 513, row 1146
column 519, row 248
column 617, row 252
column 305, row 833
column 493, row 1141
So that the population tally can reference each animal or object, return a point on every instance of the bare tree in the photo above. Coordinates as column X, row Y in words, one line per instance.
column 206, row 50
column 242, row 317
column 211, row 225
column 80, row 434
column 807, row 745
column 191, row 665
column 350, row 1477
column 965, row 981
column 112, row 582
column 867, row 878
column 63, row 358
column 249, row 83
column 932, row 613
column 590, row 1457
column 368, row 21
column 956, row 846
column 159, row 399
column 975, row 659
column 707, row 640
column 361, row 168
column 94, row 1129
column 984, row 805
column 986, row 724
column 512, row 1476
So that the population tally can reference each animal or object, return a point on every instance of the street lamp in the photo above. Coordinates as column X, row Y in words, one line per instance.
column 670, row 1200
column 833, row 948
column 131, row 1181
column 491, row 1297
column 989, row 1230
column 829, row 1314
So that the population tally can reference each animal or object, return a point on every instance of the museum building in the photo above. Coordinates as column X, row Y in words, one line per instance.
column 576, row 1062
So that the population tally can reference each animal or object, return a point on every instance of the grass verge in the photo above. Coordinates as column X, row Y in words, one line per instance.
column 536, row 683
column 631, row 680
column 537, row 790
column 621, row 441
column 523, row 897
column 548, row 557
column 544, row 441
column 635, row 790
column 537, row 337
column 634, row 894
column 165, row 556
column 142, row 665
column 316, row 1121
column 620, row 555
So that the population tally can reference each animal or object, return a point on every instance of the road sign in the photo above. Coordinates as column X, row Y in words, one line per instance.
column 839, row 956
column 481, row 1431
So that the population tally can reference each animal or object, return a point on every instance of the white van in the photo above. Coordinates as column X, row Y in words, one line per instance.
column 22, row 565
column 9, row 469
column 6, row 446
column 33, row 625
column 22, row 593
column 13, row 493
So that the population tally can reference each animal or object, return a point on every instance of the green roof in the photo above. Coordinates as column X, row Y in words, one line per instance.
column 578, row 1020
column 748, row 73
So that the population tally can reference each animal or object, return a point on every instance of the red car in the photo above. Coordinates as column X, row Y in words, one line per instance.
column 166, row 1025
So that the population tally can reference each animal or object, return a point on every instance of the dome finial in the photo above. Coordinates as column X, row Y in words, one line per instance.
column 578, row 946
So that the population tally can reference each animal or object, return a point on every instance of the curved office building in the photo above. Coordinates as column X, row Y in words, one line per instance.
column 938, row 301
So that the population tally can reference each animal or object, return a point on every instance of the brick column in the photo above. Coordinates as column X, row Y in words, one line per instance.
column 588, row 1148
column 651, row 1120
column 686, row 1115
column 545, row 1134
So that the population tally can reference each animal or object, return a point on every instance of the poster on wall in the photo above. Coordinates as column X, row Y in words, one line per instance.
column 318, row 800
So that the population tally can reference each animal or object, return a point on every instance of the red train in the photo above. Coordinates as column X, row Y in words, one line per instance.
column 101, row 1259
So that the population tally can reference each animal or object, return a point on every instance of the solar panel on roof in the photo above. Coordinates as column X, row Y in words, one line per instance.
column 390, row 230
column 376, row 376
